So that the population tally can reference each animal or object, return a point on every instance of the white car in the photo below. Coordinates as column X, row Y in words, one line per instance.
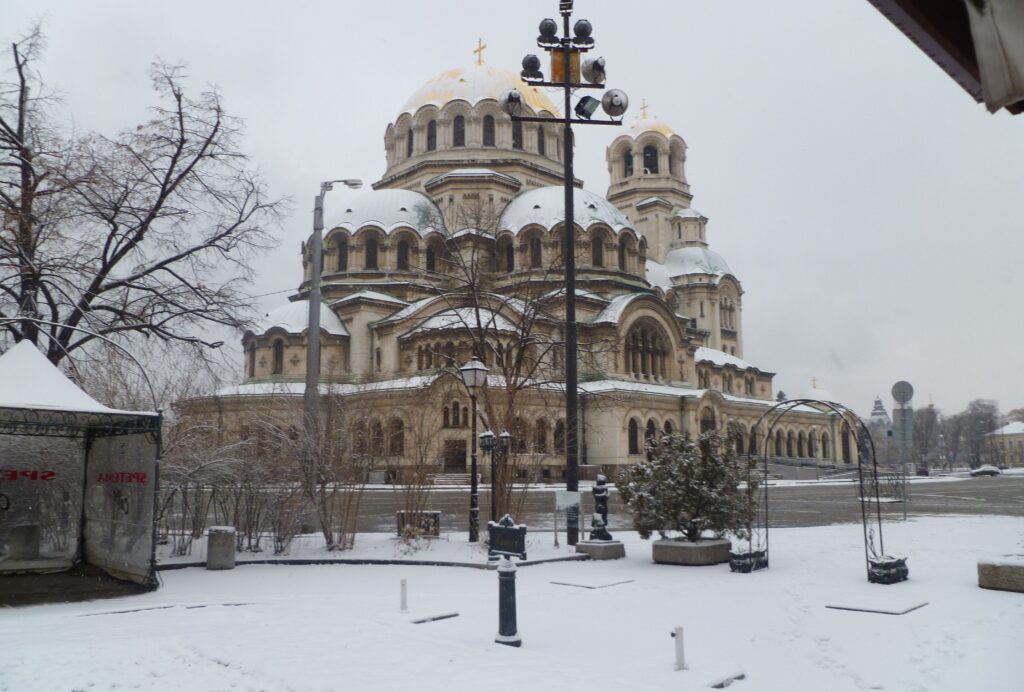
column 986, row 470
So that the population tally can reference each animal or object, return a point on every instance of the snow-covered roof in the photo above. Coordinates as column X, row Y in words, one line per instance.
column 473, row 84
column 463, row 318
column 816, row 392
column 688, row 213
column 612, row 313
column 299, row 388
column 294, row 319
column 685, row 261
column 370, row 295
column 649, row 124
column 546, row 206
column 580, row 293
column 387, row 209
column 652, row 200
column 408, row 310
column 472, row 173
column 28, row 380
column 711, row 355
column 1013, row 428
column 607, row 386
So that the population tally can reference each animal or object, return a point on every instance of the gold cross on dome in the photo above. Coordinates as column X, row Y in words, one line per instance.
column 643, row 109
column 480, row 45
column 814, row 383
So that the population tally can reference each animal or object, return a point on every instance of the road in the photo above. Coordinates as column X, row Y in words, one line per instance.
column 800, row 505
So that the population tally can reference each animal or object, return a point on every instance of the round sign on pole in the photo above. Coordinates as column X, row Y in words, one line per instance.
column 902, row 392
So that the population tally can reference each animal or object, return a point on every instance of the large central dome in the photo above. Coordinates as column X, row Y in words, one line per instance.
column 474, row 84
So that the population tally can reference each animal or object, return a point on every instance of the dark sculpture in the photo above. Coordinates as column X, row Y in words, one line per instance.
column 599, row 522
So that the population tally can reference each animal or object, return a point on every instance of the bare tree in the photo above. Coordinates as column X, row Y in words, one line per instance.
column 926, row 434
column 148, row 232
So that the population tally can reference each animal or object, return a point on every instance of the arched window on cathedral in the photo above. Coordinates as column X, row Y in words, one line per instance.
column 278, row 357
column 646, row 351
column 671, row 164
column 432, row 135
column 652, row 430
column 517, row 134
column 250, row 360
column 800, row 445
column 542, row 146
column 540, row 437
column 778, row 443
column 597, row 252
column 634, row 436
column 520, row 434
column 622, row 255
column 455, row 413
column 488, row 130
column 376, row 438
column 403, row 254
column 372, row 247
column 408, row 144
column 535, row 252
column 789, row 444
column 559, row 436
column 431, row 259
column 342, row 246
column 506, row 254
column 752, row 444
column 650, row 160
column 396, row 437
column 707, row 420
column 459, row 131
column 826, row 448
column 446, row 421
column 627, row 163
column 667, row 428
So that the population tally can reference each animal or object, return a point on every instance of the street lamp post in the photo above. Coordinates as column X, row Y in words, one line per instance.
column 566, row 72
column 474, row 375
column 493, row 446
column 311, row 398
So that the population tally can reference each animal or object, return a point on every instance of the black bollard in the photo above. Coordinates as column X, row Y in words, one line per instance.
column 508, row 633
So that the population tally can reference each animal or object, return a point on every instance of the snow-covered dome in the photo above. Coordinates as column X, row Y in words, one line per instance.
column 546, row 206
column 648, row 124
column 387, row 209
column 816, row 392
column 294, row 319
column 473, row 84
column 695, row 260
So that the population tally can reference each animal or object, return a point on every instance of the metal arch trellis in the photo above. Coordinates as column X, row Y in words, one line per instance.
column 884, row 569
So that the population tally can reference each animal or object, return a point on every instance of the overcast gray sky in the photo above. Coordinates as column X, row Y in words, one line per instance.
column 869, row 206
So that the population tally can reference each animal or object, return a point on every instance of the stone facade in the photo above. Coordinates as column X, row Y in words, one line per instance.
column 457, row 252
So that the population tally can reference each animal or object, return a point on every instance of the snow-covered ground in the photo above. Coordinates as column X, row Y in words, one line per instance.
column 338, row 627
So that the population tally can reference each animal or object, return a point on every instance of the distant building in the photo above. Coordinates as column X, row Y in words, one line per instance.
column 1008, row 441
column 879, row 416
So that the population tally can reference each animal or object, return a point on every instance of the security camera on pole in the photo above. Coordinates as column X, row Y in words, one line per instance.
column 568, row 73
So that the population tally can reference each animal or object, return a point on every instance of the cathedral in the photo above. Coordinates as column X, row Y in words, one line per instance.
column 456, row 252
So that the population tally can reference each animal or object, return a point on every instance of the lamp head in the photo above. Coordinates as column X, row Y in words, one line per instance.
column 593, row 70
column 487, row 441
column 548, row 33
column 531, row 69
column 582, row 31
column 587, row 107
column 615, row 102
column 511, row 101
column 474, row 374
column 504, row 440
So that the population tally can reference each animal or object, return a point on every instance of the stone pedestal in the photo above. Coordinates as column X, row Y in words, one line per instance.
column 1002, row 574
column 220, row 547
column 710, row 552
column 602, row 550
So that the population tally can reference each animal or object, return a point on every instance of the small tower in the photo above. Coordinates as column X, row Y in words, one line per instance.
column 646, row 166
column 879, row 416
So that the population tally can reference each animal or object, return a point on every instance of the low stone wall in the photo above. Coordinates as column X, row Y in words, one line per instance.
column 1002, row 574
column 709, row 552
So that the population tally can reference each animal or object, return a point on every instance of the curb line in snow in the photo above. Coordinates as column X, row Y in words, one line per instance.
column 369, row 561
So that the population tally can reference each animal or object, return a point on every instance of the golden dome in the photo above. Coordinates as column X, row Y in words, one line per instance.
column 474, row 84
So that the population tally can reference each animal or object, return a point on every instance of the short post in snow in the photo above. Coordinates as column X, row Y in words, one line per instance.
column 405, row 599
column 508, row 631
column 677, row 634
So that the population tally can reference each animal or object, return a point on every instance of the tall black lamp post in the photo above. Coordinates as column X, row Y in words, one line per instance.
column 567, row 73
column 474, row 375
